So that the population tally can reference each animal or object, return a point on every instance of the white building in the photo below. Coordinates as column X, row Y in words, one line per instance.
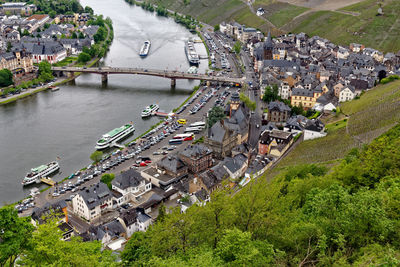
column 91, row 202
column 284, row 91
column 347, row 93
column 131, row 185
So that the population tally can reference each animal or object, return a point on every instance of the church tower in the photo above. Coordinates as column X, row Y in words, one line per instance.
column 268, row 47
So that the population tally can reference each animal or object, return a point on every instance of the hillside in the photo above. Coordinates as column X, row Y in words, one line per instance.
column 338, row 21
column 309, row 215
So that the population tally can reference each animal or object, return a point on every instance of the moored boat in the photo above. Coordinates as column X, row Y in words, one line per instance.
column 150, row 110
column 39, row 172
column 54, row 88
column 144, row 51
column 191, row 53
column 114, row 136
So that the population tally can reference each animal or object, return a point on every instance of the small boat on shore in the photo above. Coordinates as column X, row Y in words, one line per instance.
column 149, row 110
column 39, row 172
column 54, row 88
column 144, row 51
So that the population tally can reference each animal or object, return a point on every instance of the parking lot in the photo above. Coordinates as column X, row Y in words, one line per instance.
column 147, row 150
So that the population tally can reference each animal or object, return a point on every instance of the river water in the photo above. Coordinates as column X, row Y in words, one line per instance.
column 67, row 123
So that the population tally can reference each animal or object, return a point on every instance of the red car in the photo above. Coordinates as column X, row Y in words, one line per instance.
column 190, row 138
column 143, row 164
column 147, row 161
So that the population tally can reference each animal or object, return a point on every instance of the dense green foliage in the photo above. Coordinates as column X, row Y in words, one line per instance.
column 45, row 73
column 107, row 179
column 214, row 115
column 390, row 79
column 96, row 156
column 58, row 6
column 246, row 100
column 236, row 47
column 15, row 234
column 6, row 77
column 307, row 215
column 84, row 57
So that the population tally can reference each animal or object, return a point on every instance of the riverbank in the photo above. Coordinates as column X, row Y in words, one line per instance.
column 104, row 45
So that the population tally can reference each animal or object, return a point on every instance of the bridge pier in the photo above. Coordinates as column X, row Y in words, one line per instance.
column 70, row 75
column 104, row 78
column 173, row 83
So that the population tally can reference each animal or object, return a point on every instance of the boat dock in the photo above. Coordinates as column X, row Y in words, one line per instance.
column 117, row 145
column 47, row 181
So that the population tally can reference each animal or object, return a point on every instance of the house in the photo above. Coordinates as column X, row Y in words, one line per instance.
column 356, row 48
column 278, row 112
column 91, row 202
column 235, row 166
column 347, row 93
column 258, row 166
column 16, row 60
column 284, row 90
column 303, row 97
column 212, row 178
column 314, row 129
column 197, row 157
column 58, row 210
column 173, row 166
column 295, row 124
column 220, row 140
column 274, row 142
column 160, row 178
column 337, row 88
column 39, row 20
column 131, row 185
column 17, row 8
column 134, row 220
column 52, row 52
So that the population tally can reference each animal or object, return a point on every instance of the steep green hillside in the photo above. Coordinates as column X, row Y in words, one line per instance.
column 380, row 32
column 309, row 215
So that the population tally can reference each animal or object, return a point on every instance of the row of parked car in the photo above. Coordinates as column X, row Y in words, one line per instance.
column 26, row 204
column 203, row 101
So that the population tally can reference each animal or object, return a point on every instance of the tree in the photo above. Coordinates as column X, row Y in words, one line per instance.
column 45, row 72
column 74, row 35
column 271, row 94
column 83, row 57
column 161, row 213
column 81, row 35
column 9, row 46
column 236, row 47
column 52, row 14
column 96, row 156
column 6, row 77
column 246, row 100
column 100, row 35
column 216, row 28
column 48, row 248
column 89, row 10
column 107, row 179
column 214, row 115
column 15, row 233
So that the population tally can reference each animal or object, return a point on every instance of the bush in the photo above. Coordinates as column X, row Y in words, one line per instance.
column 84, row 57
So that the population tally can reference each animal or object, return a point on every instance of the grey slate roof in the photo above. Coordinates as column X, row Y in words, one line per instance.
column 129, row 178
column 95, row 195
column 143, row 217
column 235, row 163
column 196, row 151
column 171, row 163
column 217, row 132
column 302, row 92
column 278, row 105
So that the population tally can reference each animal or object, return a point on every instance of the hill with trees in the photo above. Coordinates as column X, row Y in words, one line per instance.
column 308, row 215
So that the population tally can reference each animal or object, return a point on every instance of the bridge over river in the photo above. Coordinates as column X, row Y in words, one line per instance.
column 173, row 75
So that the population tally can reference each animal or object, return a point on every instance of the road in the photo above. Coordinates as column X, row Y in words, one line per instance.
column 46, row 196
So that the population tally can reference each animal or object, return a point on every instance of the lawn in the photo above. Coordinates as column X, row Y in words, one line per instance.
column 379, row 32
column 66, row 61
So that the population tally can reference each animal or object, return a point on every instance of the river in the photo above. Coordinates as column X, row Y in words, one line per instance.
column 67, row 123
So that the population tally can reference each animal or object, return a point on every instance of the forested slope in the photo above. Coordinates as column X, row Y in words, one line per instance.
column 309, row 215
